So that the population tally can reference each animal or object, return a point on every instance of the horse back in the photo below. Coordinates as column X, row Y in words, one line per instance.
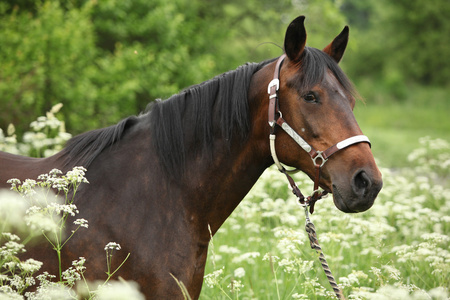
column 23, row 167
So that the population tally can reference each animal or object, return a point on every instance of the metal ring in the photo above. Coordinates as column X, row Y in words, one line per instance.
column 319, row 155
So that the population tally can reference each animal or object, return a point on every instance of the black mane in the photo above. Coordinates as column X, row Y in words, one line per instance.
column 222, row 99
column 82, row 149
column 191, row 120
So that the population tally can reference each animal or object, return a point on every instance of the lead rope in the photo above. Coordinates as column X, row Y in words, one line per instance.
column 311, row 229
column 314, row 242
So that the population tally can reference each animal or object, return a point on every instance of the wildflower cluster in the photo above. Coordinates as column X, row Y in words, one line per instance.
column 20, row 272
column 49, row 215
column 47, row 136
column 432, row 156
column 46, row 213
column 396, row 250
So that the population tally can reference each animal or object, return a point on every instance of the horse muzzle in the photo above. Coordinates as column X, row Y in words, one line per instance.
column 360, row 194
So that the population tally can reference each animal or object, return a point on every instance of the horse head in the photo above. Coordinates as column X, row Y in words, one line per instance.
column 316, row 99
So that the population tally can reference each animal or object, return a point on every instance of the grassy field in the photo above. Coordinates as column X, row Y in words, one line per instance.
column 396, row 250
column 394, row 126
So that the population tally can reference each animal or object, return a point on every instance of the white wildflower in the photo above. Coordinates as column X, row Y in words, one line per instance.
column 17, row 282
column 79, row 264
column 239, row 272
column 288, row 265
column 392, row 271
column 235, row 286
column 14, row 182
column 247, row 257
column 229, row 249
column 118, row 290
column 76, row 175
column 30, row 265
column 81, row 222
column 213, row 279
column 270, row 257
column 71, row 276
column 112, row 246
column 10, row 236
column 12, row 248
column 300, row 296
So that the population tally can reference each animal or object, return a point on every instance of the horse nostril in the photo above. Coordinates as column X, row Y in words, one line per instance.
column 361, row 183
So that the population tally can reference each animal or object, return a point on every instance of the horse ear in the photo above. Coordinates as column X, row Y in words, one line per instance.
column 337, row 47
column 295, row 39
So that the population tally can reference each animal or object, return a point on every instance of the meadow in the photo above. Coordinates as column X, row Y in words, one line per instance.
column 396, row 250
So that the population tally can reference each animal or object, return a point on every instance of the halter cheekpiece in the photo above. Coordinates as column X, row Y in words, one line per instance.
column 319, row 158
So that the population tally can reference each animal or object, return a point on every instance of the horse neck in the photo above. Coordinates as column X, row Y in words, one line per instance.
column 224, row 180
column 216, row 187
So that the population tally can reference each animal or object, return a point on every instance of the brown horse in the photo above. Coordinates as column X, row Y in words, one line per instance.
column 157, row 181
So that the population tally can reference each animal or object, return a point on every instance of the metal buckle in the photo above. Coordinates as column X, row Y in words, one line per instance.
column 276, row 83
column 319, row 155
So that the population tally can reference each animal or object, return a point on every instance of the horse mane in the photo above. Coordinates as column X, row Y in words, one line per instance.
column 193, row 119
column 223, row 98
column 84, row 148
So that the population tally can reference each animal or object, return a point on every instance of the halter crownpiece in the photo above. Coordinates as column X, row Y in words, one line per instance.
column 319, row 158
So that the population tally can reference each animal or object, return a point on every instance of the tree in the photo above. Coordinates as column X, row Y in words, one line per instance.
column 45, row 57
column 401, row 41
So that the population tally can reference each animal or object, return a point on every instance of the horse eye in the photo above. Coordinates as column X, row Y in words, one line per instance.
column 310, row 97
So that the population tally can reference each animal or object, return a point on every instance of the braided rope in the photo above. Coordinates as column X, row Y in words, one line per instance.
column 310, row 229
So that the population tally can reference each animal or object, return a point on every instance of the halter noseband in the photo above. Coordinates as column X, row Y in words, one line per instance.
column 319, row 158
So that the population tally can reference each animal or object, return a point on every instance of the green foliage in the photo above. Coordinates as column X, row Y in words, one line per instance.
column 105, row 60
column 45, row 59
column 399, row 42
column 421, row 42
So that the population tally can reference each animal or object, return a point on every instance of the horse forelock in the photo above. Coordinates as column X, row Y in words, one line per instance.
column 314, row 65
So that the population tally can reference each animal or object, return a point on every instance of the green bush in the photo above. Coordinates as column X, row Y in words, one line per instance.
column 45, row 59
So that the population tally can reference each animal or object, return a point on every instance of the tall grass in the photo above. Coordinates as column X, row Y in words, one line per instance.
column 395, row 124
